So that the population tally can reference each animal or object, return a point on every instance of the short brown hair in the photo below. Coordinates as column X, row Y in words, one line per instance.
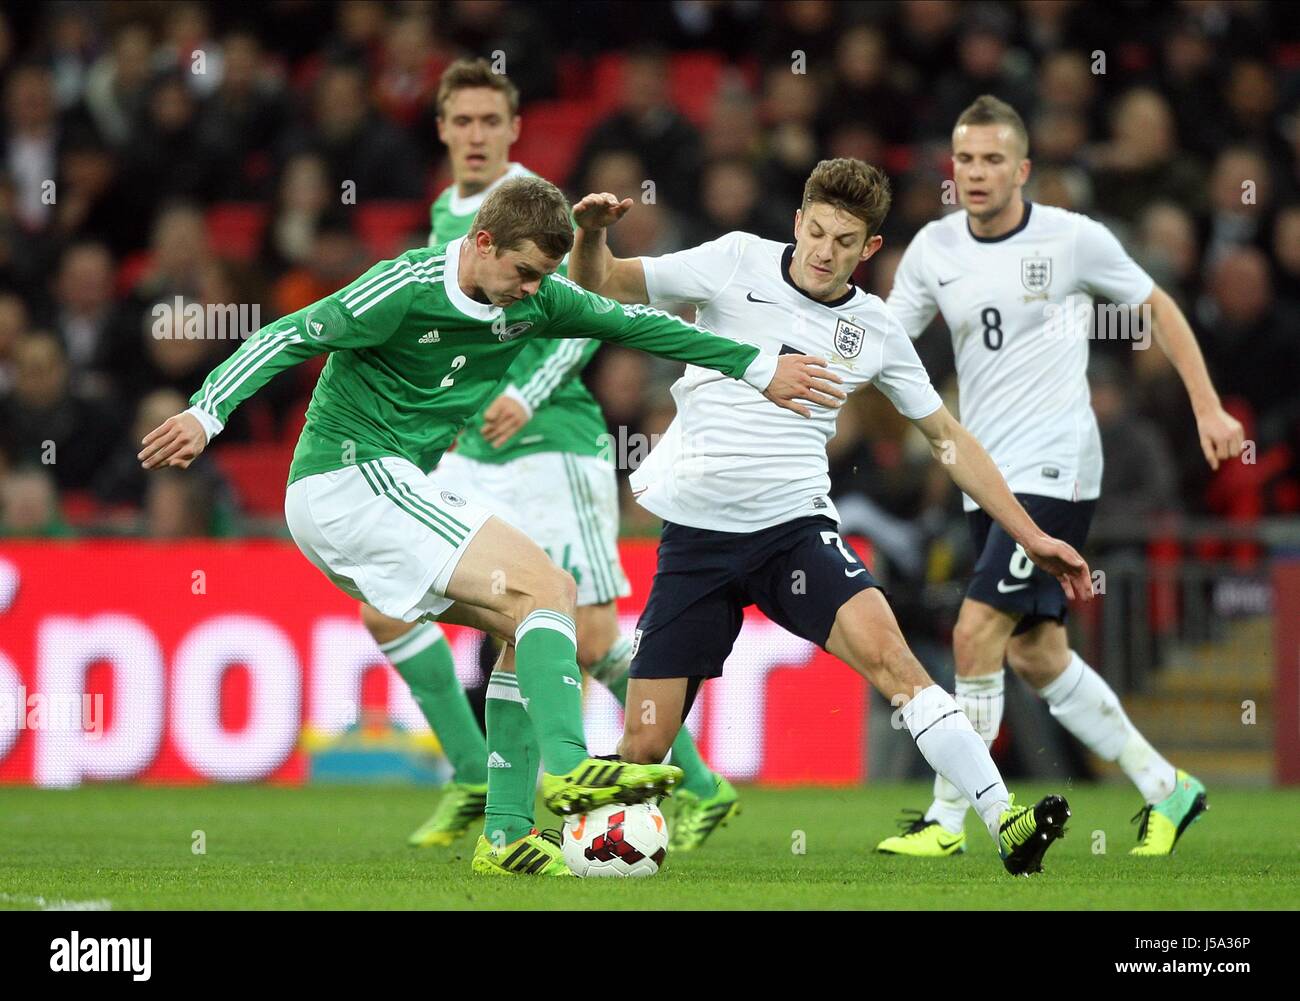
column 989, row 110
column 466, row 73
column 858, row 188
column 527, row 208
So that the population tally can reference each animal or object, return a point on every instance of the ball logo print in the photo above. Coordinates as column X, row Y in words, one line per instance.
column 617, row 840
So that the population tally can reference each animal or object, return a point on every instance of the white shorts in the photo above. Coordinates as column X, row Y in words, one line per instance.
column 567, row 504
column 384, row 533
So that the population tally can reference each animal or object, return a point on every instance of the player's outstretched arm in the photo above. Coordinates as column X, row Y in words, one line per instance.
column 1221, row 434
column 591, row 264
column 976, row 474
column 789, row 381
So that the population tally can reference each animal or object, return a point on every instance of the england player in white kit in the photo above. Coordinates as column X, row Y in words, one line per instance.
column 744, row 498
column 1015, row 284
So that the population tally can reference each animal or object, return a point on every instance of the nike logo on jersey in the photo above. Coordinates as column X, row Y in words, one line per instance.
column 767, row 302
column 949, row 281
column 854, row 573
column 432, row 337
column 1005, row 588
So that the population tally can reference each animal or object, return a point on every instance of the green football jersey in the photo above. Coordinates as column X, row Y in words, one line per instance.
column 412, row 358
column 546, row 374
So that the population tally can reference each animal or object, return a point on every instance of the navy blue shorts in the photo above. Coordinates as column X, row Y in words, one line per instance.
column 798, row 573
column 1006, row 579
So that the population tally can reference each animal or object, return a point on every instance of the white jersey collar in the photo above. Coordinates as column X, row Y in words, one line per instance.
column 451, row 279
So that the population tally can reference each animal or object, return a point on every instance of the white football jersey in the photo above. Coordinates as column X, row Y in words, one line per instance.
column 731, row 460
column 1020, row 310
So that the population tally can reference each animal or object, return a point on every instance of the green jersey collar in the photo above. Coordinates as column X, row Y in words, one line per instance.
column 451, row 281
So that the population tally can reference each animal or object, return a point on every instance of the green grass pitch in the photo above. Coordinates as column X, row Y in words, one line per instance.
column 128, row 847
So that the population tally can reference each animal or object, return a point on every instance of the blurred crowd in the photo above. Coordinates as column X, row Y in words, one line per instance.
column 128, row 126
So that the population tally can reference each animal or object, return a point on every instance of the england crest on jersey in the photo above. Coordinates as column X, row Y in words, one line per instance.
column 1036, row 273
column 848, row 339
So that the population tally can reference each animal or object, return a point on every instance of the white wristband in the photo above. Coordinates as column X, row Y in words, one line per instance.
column 211, row 425
column 761, row 372
column 513, row 392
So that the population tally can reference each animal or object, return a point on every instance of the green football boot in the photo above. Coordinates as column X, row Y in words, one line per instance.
column 461, row 805
column 923, row 838
column 1163, row 823
column 1026, row 832
column 601, row 781
column 535, row 854
column 697, row 817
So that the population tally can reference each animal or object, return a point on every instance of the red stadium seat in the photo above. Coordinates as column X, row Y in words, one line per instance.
column 391, row 228
column 235, row 229
column 696, row 77
column 552, row 136
column 258, row 474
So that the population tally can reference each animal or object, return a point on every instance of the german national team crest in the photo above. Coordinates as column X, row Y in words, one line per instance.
column 848, row 339
column 1036, row 273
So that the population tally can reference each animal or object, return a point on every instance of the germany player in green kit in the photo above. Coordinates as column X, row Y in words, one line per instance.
column 532, row 457
column 416, row 346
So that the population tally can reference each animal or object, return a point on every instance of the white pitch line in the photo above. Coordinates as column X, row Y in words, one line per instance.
column 45, row 904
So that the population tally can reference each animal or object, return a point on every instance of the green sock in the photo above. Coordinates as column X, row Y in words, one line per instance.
column 546, row 665
column 685, row 755
column 423, row 659
column 512, row 763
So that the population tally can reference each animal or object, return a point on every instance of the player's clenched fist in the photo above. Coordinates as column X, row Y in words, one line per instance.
column 176, row 442
column 597, row 211
column 804, row 378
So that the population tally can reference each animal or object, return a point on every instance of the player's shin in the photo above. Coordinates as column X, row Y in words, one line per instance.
column 423, row 658
column 1089, row 708
column 611, row 671
column 551, row 684
column 950, row 744
column 512, row 761
column 982, row 699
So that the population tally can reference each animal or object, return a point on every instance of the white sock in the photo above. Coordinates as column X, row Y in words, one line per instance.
column 982, row 699
column 1090, row 709
column 950, row 744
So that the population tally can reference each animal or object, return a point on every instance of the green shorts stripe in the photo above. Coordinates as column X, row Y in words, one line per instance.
column 365, row 475
column 458, row 529
column 436, row 529
column 599, row 579
column 609, row 558
column 589, row 526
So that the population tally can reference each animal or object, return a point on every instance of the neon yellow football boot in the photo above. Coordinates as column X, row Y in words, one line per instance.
column 537, row 853
column 600, row 781
column 697, row 817
column 460, row 806
column 1026, row 832
column 923, row 838
column 1163, row 823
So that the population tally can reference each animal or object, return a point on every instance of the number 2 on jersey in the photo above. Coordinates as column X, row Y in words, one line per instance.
column 456, row 363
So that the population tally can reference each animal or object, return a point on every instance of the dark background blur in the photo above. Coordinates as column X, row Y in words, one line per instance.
column 202, row 151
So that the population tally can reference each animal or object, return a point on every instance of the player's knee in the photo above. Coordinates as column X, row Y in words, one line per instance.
column 542, row 586
column 383, row 628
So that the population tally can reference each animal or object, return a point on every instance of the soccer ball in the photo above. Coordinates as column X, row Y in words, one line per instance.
column 618, row 840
